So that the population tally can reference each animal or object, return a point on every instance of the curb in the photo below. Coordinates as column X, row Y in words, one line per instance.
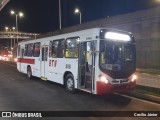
column 147, row 97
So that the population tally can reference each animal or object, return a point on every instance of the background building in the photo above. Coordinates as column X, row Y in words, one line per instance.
column 145, row 26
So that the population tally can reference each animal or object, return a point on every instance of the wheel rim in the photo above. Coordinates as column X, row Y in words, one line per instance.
column 70, row 83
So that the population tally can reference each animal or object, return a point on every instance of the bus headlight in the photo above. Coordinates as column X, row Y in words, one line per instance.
column 134, row 78
column 104, row 79
column 10, row 55
column 15, row 59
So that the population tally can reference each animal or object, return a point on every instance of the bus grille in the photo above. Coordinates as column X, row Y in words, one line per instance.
column 119, row 81
column 119, row 87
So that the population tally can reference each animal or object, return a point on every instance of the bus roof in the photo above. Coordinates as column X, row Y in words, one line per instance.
column 94, row 31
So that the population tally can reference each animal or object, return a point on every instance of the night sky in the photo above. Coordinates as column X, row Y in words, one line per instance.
column 42, row 16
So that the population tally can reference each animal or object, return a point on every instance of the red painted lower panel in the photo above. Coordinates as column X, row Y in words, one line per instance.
column 103, row 88
column 26, row 60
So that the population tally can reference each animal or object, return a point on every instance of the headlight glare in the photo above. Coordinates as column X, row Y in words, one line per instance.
column 134, row 77
column 104, row 79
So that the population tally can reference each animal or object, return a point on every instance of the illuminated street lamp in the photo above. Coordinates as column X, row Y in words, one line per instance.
column 8, row 29
column 13, row 28
column 78, row 11
column 20, row 14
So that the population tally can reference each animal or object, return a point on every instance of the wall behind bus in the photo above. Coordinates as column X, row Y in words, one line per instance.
column 145, row 26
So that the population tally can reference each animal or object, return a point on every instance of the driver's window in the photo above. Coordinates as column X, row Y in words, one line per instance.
column 107, row 52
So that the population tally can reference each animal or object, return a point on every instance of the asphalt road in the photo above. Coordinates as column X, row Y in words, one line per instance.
column 18, row 93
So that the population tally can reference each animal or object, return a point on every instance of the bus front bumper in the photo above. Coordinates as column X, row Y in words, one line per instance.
column 103, row 88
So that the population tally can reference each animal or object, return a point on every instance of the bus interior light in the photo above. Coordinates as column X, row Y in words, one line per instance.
column 117, row 36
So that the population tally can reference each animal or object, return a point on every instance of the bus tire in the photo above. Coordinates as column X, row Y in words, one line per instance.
column 70, row 83
column 29, row 72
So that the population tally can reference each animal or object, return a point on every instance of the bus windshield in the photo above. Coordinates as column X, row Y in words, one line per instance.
column 117, row 57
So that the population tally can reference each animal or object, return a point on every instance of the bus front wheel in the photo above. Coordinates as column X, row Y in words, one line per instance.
column 29, row 72
column 70, row 83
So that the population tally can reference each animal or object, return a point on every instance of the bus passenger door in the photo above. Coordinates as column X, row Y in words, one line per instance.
column 44, row 56
column 86, row 71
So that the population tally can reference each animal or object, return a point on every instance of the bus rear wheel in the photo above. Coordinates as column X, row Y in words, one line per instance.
column 70, row 83
column 29, row 72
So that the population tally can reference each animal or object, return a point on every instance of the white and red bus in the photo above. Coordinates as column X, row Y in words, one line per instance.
column 64, row 59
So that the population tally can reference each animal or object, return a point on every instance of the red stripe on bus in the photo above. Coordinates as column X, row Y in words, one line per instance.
column 25, row 60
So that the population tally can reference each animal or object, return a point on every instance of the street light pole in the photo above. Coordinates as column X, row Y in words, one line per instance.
column 60, row 25
column 80, row 15
column 11, row 44
column 9, row 30
column 20, row 15
column 17, row 26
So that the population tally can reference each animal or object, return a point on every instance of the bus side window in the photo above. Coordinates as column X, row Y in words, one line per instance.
column 19, row 47
column 36, row 49
column 25, row 50
column 61, row 47
column 50, row 48
column 22, row 53
column 72, row 47
column 56, row 48
column 30, row 50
